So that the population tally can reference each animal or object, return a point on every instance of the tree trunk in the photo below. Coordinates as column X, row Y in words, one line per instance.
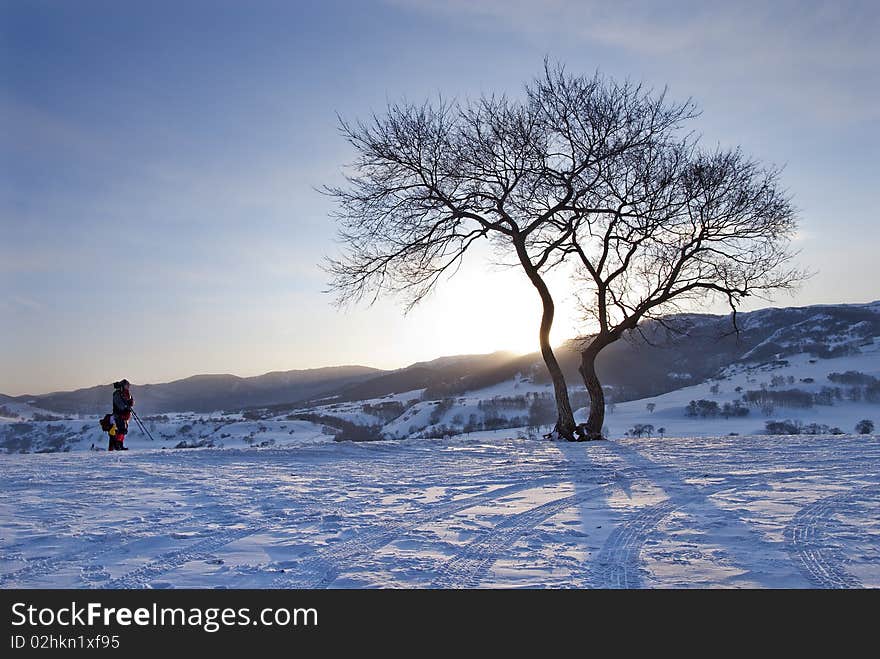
column 594, row 388
column 565, row 425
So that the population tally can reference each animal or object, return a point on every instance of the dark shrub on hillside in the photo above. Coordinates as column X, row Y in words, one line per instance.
column 822, row 351
column 737, row 409
column 440, row 431
column 820, row 429
column 702, row 408
column 852, row 377
column 386, row 411
column 783, row 427
column 865, row 427
column 542, row 411
column 783, row 398
column 640, row 429
column 497, row 403
column 497, row 423
column 346, row 431
column 827, row 395
column 872, row 393
column 797, row 428
column 440, row 409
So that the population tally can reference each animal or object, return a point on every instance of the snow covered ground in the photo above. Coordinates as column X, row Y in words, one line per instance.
column 481, row 511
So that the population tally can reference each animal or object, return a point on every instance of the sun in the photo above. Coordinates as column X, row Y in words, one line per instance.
column 482, row 311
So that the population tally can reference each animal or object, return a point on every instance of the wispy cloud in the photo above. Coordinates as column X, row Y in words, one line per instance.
column 18, row 303
column 814, row 57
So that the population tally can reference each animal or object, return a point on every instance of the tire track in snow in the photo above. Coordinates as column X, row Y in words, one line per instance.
column 468, row 567
column 321, row 570
column 618, row 560
column 201, row 550
column 86, row 554
column 808, row 544
column 323, row 567
column 141, row 577
column 55, row 563
column 86, row 557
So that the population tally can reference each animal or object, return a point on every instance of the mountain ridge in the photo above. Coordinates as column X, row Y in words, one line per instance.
column 649, row 362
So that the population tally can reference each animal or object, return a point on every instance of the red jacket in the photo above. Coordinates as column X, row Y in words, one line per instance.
column 123, row 401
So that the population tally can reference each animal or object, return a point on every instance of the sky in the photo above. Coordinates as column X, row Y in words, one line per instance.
column 160, row 165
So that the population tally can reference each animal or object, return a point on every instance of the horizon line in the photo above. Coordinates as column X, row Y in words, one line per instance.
column 424, row 361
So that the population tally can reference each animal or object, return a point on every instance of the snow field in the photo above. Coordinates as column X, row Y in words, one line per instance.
column 747, row 511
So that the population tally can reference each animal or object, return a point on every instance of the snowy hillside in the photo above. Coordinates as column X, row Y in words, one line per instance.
column 792, row 391
column 800, row 385
column 777, row 387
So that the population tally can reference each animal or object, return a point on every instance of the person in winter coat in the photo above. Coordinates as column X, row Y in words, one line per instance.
column 123, row 402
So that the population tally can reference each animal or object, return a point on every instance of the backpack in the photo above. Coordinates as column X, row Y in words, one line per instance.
column 106, row 423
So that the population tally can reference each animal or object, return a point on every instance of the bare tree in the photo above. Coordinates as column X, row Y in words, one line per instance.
column 431, row 180
column 682, row 224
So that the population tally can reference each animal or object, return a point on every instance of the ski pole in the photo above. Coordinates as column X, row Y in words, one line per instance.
column 142, row 426
column 137, row 421
column 144, row 429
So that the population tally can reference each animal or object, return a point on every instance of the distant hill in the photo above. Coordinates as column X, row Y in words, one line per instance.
column 682, row 350
column 207, row 393
column 438, row 376
column 658, row 360
column 653, row 361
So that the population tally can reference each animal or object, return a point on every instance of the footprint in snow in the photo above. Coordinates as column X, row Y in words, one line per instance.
column 93, row 573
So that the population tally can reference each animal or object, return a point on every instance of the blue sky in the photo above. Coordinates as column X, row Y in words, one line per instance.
column 159, row 161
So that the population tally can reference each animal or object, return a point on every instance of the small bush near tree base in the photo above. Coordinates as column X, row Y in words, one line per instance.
column 865, row 427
